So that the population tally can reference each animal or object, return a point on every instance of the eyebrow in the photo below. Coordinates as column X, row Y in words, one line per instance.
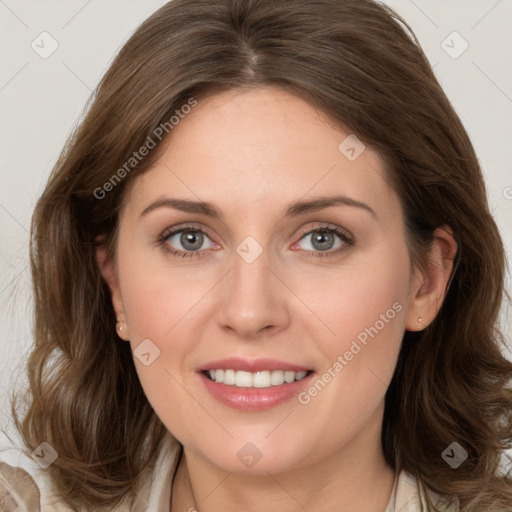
column 294, row 209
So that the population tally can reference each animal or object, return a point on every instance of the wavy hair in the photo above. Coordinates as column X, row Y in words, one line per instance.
column 358, row 62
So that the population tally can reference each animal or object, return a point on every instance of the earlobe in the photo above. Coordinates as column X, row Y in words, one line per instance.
column 108, row 271
column 122, row 330
column 431, row 284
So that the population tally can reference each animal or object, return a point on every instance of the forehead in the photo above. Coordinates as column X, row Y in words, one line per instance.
column 246, row 148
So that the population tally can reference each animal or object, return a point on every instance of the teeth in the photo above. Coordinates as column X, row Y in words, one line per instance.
column 289, row 377
column 229, row 377
column 243, row 379
column 277, row 378
column 263, row 379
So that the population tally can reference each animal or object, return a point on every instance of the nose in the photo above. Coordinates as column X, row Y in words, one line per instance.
column 254, row 300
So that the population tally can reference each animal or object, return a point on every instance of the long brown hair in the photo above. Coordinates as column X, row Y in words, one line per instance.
column 359, row 63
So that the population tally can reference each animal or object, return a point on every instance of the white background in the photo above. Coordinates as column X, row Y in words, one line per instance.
column 41, row 99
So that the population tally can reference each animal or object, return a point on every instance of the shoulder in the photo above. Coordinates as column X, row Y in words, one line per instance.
column 18, row 489
column 25, row 486
column 408, row 496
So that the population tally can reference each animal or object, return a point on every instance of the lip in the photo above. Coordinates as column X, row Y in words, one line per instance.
column 254, row 399
column 252, row 365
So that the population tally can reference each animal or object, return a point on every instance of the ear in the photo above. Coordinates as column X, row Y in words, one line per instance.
column 108, row 271
column 429, row 286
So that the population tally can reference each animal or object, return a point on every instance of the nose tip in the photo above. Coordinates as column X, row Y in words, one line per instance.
column 250, row 329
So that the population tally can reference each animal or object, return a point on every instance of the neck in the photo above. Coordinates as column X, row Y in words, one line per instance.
column 356, row 477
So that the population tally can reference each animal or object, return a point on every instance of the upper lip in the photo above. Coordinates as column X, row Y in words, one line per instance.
column 252, row 365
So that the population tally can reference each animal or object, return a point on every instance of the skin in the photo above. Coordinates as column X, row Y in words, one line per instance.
column 251, row 153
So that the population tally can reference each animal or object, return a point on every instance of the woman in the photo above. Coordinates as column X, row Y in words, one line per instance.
column 328, row 340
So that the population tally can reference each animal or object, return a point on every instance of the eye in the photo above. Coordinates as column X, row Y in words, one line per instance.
column 189, row 241
column 190, row 238
column 322, row 239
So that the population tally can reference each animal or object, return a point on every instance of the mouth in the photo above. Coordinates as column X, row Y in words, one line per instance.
column 254, row 385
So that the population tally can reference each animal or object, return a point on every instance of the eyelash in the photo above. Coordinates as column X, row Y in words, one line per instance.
column 343, row 235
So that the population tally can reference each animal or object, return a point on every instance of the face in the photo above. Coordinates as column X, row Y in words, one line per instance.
column 266, row 289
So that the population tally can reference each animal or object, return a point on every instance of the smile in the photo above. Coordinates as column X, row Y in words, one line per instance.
column 260, row 379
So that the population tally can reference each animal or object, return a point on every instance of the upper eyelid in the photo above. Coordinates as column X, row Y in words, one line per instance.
column 187, row 226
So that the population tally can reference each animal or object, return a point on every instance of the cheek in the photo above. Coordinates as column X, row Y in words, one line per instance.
column 161, row 305
column 354, row 298
column 157, row 299
column 364, row 309
column 365, row 313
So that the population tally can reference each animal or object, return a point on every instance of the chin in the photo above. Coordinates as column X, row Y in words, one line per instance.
column 256, row 457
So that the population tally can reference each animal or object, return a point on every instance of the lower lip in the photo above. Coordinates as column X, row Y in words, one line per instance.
column 254, row 399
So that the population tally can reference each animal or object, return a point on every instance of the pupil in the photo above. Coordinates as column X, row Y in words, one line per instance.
column 321, row 238
column 188, row 238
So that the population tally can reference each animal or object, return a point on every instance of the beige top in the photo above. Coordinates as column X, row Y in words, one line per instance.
column 26, row 487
